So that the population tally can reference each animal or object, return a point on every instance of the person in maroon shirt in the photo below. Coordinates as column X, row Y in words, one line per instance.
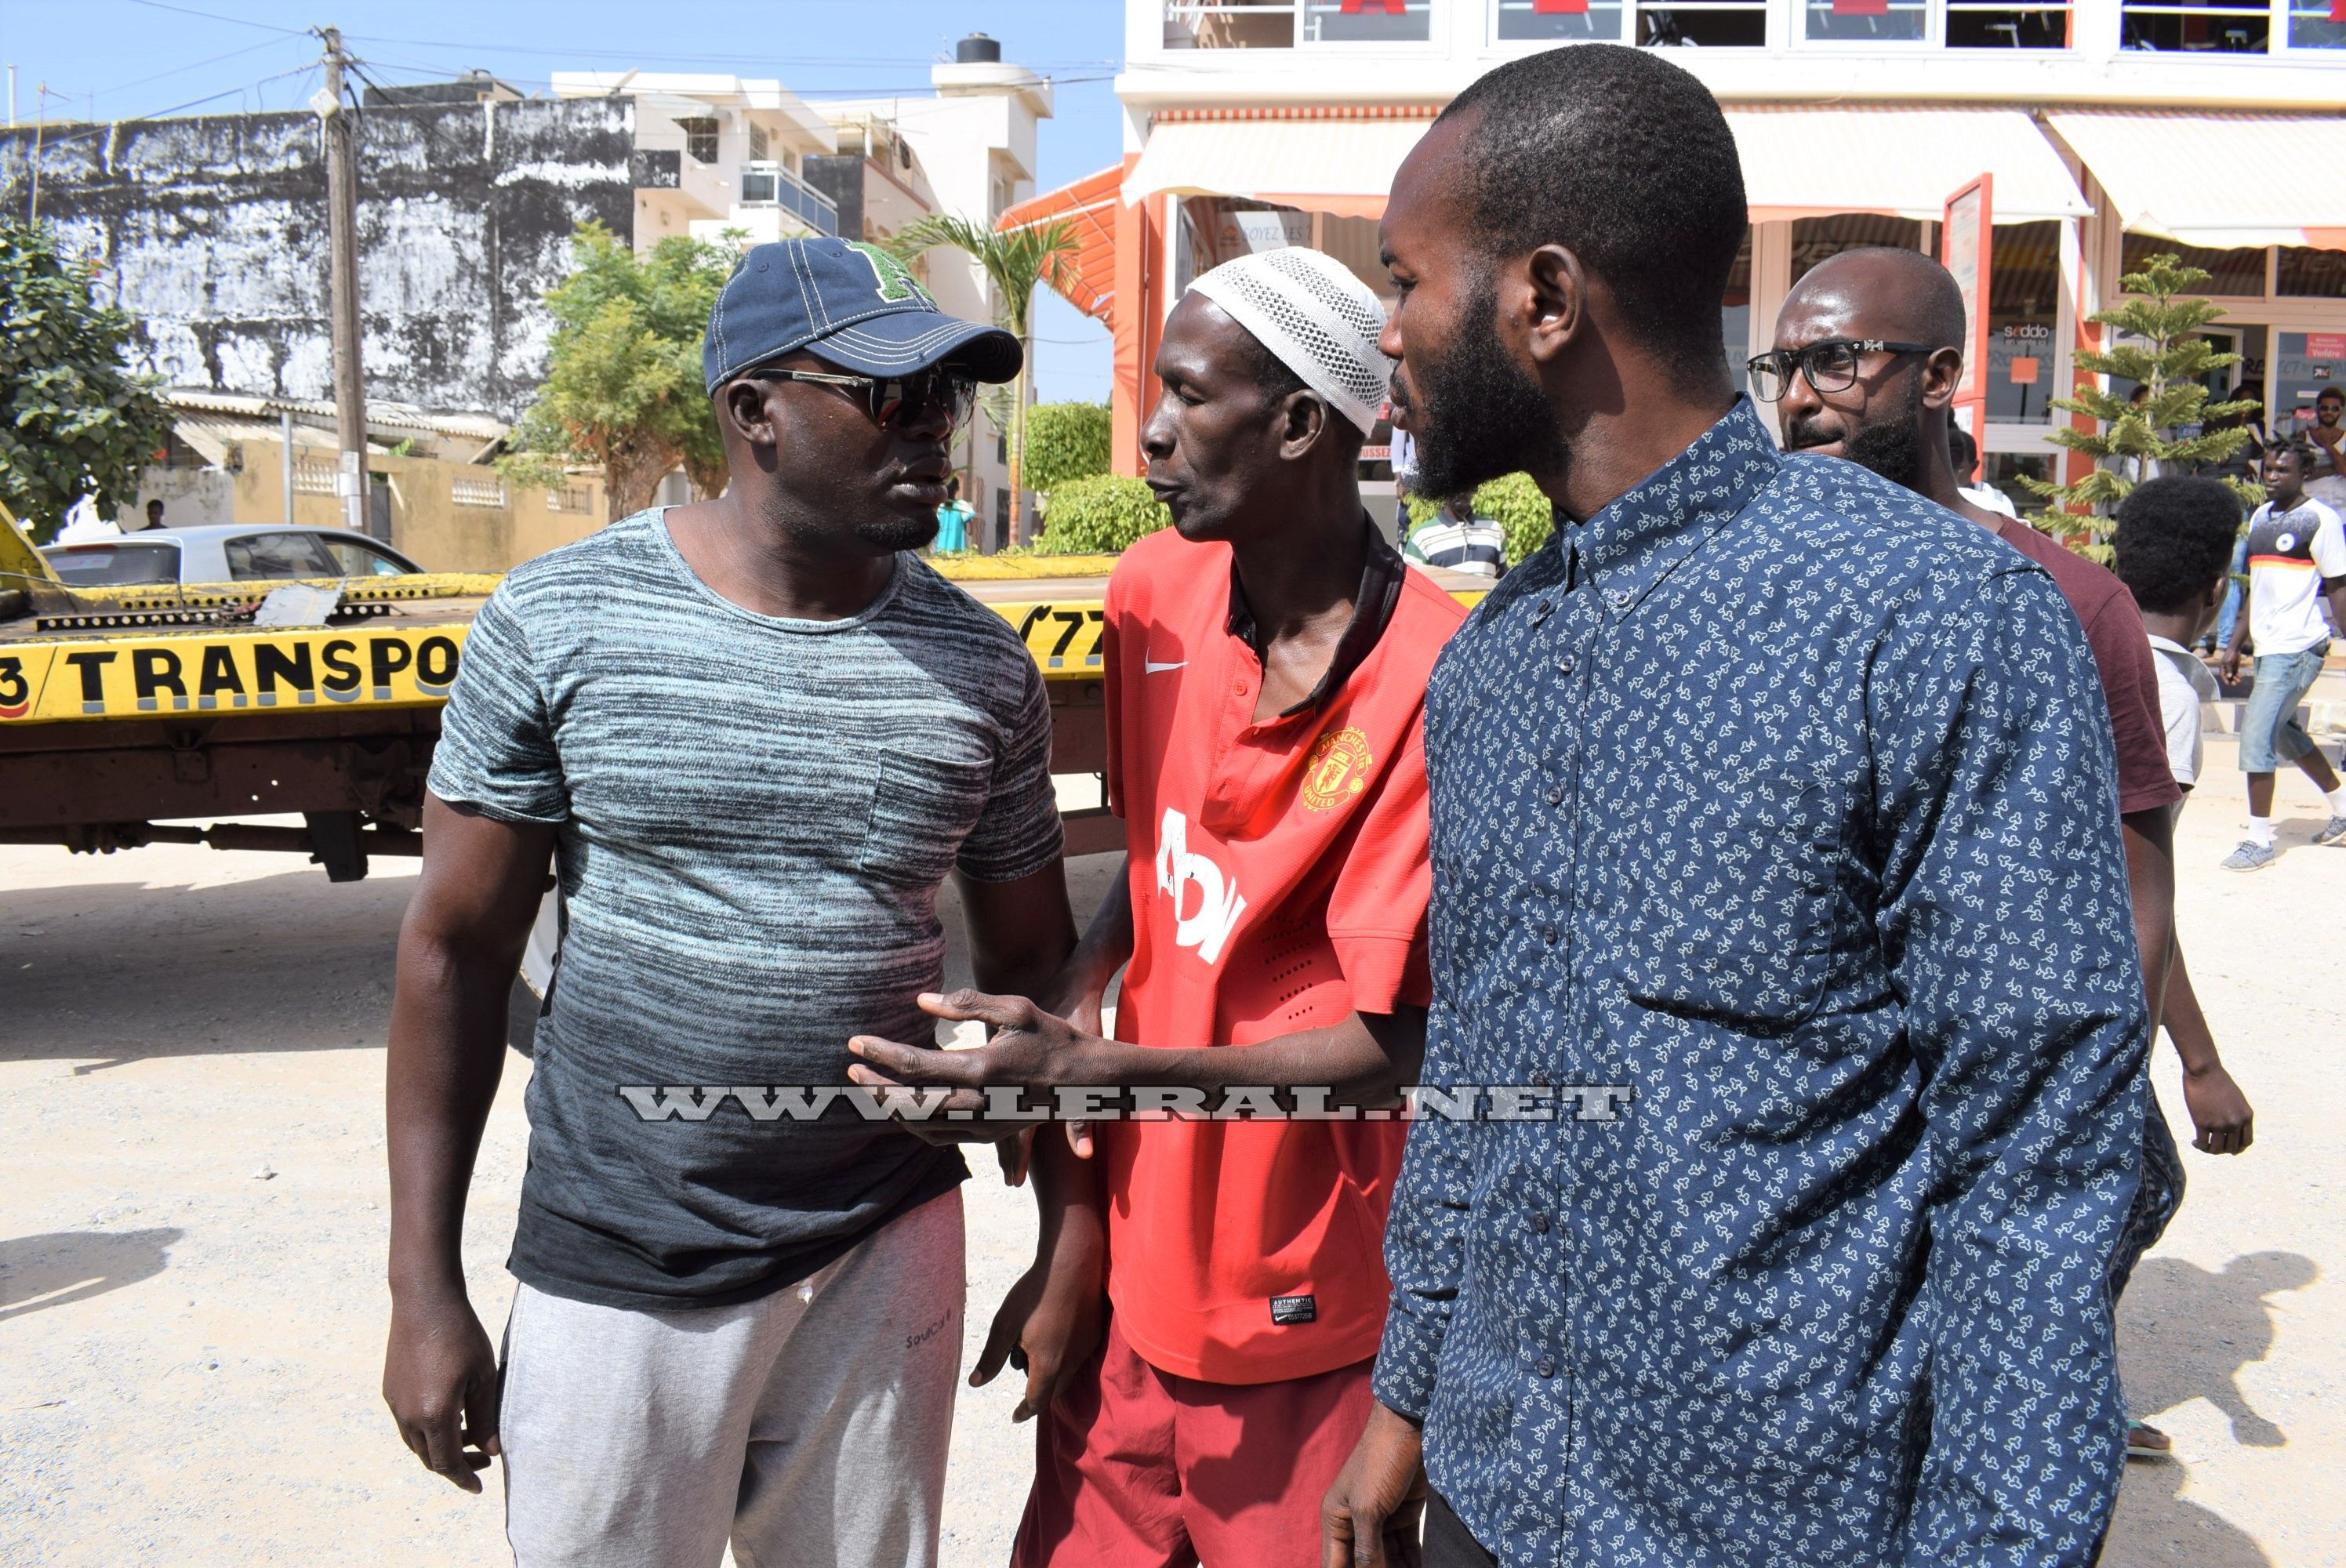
column 1868, row 356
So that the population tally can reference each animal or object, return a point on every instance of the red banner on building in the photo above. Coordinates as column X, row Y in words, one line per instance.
column 1966, row 244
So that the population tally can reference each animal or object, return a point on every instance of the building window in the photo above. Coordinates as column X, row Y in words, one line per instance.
column 2232, row 272
column 2024, row 302
column 570, row 498
column 2320, row 274
column 1816, row 239
column 699, row 139
column 1557, row 21
column 2317, row 24
column 1867, row 21
column 1284, row 24
column 1972, row 24
column 2232, row 26
column 757, row 143
column 486, row 491
column 1706, row 24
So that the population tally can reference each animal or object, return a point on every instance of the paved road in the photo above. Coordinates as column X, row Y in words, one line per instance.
column 191, row 1225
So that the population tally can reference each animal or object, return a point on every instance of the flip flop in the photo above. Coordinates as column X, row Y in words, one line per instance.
column 2146, row 1442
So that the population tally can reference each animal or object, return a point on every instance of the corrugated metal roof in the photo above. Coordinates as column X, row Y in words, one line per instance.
column 381, row 415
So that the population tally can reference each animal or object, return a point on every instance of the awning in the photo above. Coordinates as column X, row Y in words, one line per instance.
column 1088, row 281
column 1799, row 160
column 1339, row 161
column 1809, row 160
column 2217, row 181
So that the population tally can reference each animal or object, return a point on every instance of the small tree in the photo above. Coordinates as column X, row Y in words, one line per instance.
column 74, row 423
column 623, row 389
column 2158, row 345
column 1016, row 261
column 1067, row 440
column 1100, row 514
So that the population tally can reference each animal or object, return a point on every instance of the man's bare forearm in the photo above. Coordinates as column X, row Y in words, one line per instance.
column 459, row 949
column 447, row 1054
column 2187, row 1025
column 1366, row 1060
column 2150, row 884
column 1105, row 947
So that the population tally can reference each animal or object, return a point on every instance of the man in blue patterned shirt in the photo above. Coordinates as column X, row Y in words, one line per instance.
column 1778, row 797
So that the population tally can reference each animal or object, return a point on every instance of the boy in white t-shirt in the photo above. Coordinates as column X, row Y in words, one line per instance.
column 2174, row 553
column 2297, row 557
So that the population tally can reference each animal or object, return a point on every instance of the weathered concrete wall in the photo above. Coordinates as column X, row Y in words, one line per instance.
column 212, row 231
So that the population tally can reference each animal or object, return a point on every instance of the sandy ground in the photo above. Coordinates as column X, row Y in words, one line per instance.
column 192, row 1219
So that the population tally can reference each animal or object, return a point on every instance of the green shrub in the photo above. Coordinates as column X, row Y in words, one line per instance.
column 1065, row 441
column 1100, row 515
column 1514, row 503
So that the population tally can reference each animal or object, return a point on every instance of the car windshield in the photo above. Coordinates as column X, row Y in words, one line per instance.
column 114, row 566
column 263, row 556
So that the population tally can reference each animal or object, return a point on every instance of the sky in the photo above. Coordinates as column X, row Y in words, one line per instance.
column 119, row 59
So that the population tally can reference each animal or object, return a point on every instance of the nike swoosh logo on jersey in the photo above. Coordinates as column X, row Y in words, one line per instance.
column 1150, row 666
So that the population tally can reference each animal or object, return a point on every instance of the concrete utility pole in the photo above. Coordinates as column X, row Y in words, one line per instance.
column 343, row 277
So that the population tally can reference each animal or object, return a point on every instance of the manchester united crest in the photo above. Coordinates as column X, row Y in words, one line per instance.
column 1338, row 770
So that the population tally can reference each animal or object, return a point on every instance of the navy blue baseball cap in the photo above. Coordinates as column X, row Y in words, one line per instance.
column 851, row 303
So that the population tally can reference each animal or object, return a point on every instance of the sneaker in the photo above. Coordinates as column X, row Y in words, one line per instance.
column 2250, row 856
column 2332, row 832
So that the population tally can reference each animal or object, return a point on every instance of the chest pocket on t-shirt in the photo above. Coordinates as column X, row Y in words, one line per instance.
column 1732, row 921
column 922, row 806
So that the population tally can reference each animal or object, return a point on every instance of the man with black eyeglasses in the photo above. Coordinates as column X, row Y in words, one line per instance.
column 753, row 735
column 1865, row 365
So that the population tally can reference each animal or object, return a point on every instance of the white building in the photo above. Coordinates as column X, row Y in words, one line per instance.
column 966, row 150
column 718, row 154
column 715, row 153
column 2111, row 127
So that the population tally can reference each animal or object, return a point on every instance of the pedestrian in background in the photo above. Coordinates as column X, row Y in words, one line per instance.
column 1460, row 539
column 2325, row 479
column 1885, row 408
column 2174, row 536
column 953, row 520
column 1404, row 474
column 2297, row 557
column 1771, row 827
column 753, row 736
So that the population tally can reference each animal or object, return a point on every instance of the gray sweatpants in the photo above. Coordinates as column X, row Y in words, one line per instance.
column 808, row 1427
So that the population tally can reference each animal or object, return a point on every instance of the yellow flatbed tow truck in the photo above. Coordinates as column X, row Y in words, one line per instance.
column 126, row 714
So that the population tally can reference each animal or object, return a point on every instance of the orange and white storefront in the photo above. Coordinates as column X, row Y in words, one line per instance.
column 1258, row 122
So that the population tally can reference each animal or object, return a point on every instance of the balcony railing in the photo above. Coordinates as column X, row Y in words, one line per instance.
column 772, row 184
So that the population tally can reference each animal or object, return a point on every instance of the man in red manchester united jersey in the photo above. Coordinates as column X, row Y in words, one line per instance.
column 1266, row 666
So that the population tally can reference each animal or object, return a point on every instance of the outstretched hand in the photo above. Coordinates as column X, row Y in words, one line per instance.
column 1029, row 1050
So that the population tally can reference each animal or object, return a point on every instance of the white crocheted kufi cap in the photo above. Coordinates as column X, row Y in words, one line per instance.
column 1316, row 317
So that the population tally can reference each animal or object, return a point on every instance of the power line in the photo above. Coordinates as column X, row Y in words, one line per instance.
column 216, row 16
column 177, row 70
column 101, row 127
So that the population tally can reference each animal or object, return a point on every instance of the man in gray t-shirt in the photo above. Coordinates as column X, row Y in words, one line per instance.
column 753, row 736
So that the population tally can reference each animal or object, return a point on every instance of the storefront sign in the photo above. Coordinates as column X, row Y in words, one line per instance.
column 2023, row 373
column 2325, row 345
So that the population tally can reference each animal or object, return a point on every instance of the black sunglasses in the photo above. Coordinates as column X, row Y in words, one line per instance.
column 1831, row 364
column 897, row 400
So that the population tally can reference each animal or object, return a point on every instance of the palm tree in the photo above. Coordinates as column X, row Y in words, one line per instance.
column 1015, row 262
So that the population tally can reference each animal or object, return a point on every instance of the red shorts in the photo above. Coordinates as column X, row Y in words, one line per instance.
column 1135, row 1468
